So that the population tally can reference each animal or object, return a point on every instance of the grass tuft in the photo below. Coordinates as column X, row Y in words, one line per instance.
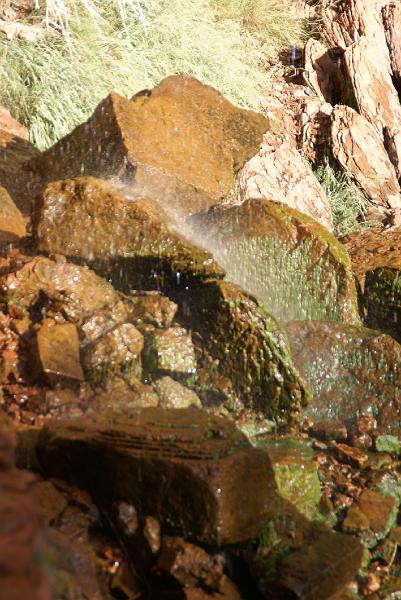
column 348, row 204
column 126, row 45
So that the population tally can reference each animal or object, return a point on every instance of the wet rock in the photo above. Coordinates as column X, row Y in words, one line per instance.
column 7, row 441
column 152, row 308
column 250, row 348
column 44, row 286
column 388, row 443
column 115, row 355
column 329, row 429
column 52, row 502
column 151, row 532
column 352, row 371
column 351, row 456
column 181, row 144
column 295, row 474
column 169, row 352
column 295, row 266
column 131, row 242
column 174, row 395
column 382, row 300
column 195, row 462
column 278, row 172
column 10, row 367
column 299, row 558
column 121, row 397
column 372, row 511
column 12, row 224
column 21, row 547
column 55, row 353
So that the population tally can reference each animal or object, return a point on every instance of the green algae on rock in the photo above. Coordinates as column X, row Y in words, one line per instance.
column 352, row 371
column 250, row 347
column 297, row 268
column 382, row 298
column 129, row 241
column 181, row 143
column 168, row 352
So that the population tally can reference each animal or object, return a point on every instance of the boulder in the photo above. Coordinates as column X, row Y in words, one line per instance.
column 249, row 347
column 180, row 143
column 351, row 370
column 279, row 173
column 297, row 268
column 174, row 395
column 55, row 353
column 186, row 468
column 117, row 354
column 12, row 224
column 130, row 241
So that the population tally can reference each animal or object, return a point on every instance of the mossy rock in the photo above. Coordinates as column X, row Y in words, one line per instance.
column 297, row 268
column 351, row 370
column 130, row 242
column 383, row 300
column 249, row 346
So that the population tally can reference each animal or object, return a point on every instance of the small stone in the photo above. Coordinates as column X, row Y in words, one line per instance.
column 351, row 456
column 360, row 440
column 388, row 443
column 169, row 352
column 355, row 521
column 372, row 584
column 174, row 395
column 127, row 517
column 380, row 510
column 151, row 532
column 329, row 429
column 366, row 424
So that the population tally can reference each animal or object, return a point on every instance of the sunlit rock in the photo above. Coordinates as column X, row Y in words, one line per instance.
column 117, row 354
column 55, row 353
column 184, row 467
column 294, row 265
column 152, row 308
column 131, row 242
column 250, row 348
column 351, row 370
column 169, row 352
column 180, row 143
column 174, row 395
column 12, row 224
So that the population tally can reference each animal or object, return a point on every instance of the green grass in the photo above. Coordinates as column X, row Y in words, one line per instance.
column 100, row 46
column 348, row 204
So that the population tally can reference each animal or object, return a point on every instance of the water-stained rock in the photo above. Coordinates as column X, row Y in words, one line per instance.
column 55, row 353
column 117, row 354
column 372, row 515
column 131, row 241
column 169, row 352
column 250, row 348
column 173, row 394
column 296, row 267
column 152, row 308
column 12, row 224
column 7, row 441
column 184, row 467
column 382, row 299
column 351, row 370
column 182, row 143
column 122, row 398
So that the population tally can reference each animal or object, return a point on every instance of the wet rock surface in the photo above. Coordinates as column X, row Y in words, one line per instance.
column 12, row 224
column 294, row 265
column 352, row 371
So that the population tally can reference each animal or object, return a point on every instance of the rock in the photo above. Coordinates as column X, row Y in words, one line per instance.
column 250, row 347
column 174, row 395
column 351, row 456
column 279, row 173
column 359, row 149
column 117, row 354
column 131, row 241
column 21, row 180
column 152, row 308
column 323, row 71
column 352, row 371
column 7, row 442
column 10, row 366
column 295, row 474
column 52, row 502
column 121, row 397
column 181, row 144
column 169, row 352
column 16, row 9
column 391, row 15
column 41, row 284
column 12, row 225
column 21, row 547
column 295, row 266
column 378, row 514
column 186, row 458
column 388, row 443
column 382, row 296
column 328, row 430
column 10, row 125
column 55, row 353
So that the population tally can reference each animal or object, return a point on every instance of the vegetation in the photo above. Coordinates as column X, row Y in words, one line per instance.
column 348, row 204
column 95, row 46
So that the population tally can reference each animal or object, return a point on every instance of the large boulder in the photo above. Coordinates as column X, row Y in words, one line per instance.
column 279, row 173
column 351, row 370
column 184, row 467
column 249, row 346
column 181, row 143
column 295, row 266
column 131, row 241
